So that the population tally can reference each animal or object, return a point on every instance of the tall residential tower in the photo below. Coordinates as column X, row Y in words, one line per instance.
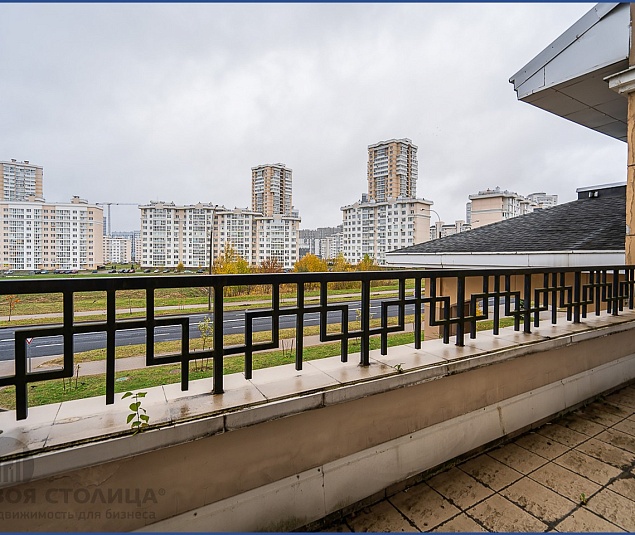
column 271, row 190
column 392, row 170
column 20, row 180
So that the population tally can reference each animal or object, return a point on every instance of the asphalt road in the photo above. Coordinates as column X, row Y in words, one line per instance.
column 233, row 323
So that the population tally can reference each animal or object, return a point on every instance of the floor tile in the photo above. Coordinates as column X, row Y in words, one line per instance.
column 624, row 486
column 538, row 500
column 425, row 507
column 586, row 466
column 583, row 520
column 518, row 458
column 459, row 524
column 623, row 398
column 490, row 472
column 564, row 482
column 607, row 453
column 626, row 426
column 561, row 434
column 540, row 445
column 380, row 517
column 458, row 487
column 597, row 413
column 581, row 425
column 498, row 514
column 618, row 439
column 615, row 508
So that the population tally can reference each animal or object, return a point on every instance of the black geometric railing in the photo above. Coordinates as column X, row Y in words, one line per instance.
column 474, row 295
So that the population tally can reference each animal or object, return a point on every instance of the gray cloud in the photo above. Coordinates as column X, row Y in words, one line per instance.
column 130, row 103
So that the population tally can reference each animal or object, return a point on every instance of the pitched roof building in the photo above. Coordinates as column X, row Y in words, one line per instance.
column 587, row 231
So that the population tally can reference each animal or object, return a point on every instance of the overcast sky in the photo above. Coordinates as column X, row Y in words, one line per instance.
column 176, row 102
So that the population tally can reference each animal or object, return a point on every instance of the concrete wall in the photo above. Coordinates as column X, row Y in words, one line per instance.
column 284, row 473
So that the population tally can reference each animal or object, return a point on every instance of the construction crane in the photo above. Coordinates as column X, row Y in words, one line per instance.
column 108, row 205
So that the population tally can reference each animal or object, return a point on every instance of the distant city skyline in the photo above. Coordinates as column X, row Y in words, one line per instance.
column 142, row 102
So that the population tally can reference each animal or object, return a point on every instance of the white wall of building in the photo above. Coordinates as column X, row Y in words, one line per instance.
column 40, row 235
column 375, row 228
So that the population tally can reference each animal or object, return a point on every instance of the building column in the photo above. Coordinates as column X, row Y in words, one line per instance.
column 624, row 83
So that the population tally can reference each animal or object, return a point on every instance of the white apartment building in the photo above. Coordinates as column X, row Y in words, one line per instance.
column 328, row 247
column 492, row 205
column 173, row 234
column 238, row 228
column 41, row 235
column 374, row 228
column 135, row 240
column 20, row 180
column 194, row 234
column 543, row 200
column 117, row 250
column 440, row 229
column 277, row 237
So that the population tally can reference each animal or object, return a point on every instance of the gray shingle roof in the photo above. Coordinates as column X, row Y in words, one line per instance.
column 591, row 224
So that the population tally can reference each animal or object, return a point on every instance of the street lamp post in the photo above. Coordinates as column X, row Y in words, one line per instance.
column 438, row 220
column 209, row 290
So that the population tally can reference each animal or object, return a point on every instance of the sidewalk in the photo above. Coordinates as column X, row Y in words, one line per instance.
column 576, row 473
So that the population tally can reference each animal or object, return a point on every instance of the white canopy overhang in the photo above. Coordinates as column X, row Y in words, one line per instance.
column 568, row 77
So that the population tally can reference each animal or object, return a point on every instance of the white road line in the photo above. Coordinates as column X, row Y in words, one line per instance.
column 49, row 345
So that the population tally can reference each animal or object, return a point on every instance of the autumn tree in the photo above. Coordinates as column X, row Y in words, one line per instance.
column 367, row 264
column 11, row 300
column 310, row 263
column 339, row 263
column 229, row 262
column 270, row 265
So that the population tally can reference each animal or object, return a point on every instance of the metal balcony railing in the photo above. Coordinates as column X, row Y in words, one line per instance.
column 520, row 294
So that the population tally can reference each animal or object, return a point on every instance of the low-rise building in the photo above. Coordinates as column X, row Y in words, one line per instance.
column 440, row 229
column 492, row 205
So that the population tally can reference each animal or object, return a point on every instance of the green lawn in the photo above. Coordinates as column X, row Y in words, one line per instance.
column 58, row 390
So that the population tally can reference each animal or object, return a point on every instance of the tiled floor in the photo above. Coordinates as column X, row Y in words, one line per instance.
column 576, row 473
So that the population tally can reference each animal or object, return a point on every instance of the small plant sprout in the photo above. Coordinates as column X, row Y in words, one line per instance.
column 138, row 418
column 399, row 367
column 583, row 499
column 206, row 328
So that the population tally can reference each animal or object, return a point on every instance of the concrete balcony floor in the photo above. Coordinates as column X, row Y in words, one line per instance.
column 576, row 473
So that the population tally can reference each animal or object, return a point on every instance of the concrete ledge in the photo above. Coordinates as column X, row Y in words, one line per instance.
column 336, row 485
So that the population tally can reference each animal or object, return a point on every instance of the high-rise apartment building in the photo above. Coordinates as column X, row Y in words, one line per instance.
column 392, row 169
column 192, row 235
column 271, row 188
column 40, row 235
column 20, row 180
column 375, row 228
column 173, row 234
